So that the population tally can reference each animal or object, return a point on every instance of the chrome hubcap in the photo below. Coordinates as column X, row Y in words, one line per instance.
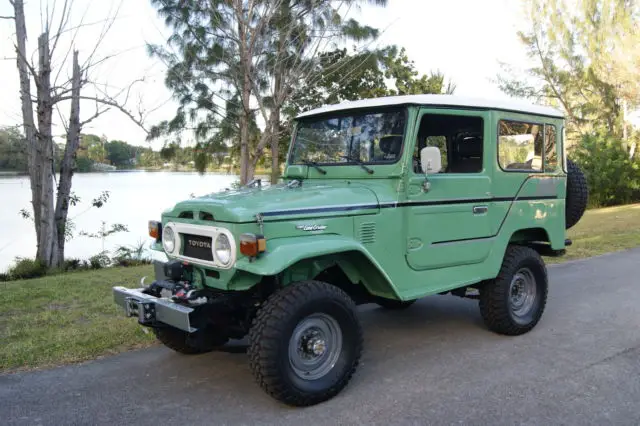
column 522, row 293
column 315, row 346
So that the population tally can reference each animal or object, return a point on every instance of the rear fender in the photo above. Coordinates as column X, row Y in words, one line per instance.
column 303, row 258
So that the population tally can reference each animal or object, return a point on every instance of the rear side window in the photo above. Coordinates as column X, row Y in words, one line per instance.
column 550, row 148
column 520, row 146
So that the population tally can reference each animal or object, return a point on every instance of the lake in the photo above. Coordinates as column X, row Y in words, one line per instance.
column 135, row 198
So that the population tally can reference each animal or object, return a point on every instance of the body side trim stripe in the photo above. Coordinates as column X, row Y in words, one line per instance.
column 406, row 204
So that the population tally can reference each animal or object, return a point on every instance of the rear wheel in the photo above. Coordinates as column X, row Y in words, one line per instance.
column 201, row 341
column 514, row 301
column 305, row 343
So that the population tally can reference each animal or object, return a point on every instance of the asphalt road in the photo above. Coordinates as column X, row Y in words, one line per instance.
column 432, row 364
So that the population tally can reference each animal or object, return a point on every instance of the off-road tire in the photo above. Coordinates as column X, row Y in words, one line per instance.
column 577, row 194
column 272, row 329
column 200, row 342
column 392, row 304
column 495, row 294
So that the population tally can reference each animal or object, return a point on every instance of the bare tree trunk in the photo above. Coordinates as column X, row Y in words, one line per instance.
column 245, row 175
column 67, row 166
column 275, row 161
column 50, row 224
column 47, row 240
column 275, row 126
column 27, row 111
column 284, row 11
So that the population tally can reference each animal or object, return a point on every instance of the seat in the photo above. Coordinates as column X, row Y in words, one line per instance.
column 391, row 146
column 469, row 156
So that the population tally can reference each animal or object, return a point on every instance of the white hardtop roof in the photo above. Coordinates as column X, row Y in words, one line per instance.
column 441, row 101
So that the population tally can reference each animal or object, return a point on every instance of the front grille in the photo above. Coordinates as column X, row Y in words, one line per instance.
column 197, row 246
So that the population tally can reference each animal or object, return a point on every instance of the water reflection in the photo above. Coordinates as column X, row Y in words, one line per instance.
column 135, row 197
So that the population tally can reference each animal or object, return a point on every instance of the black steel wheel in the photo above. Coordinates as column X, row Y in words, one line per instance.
column 305, row 343
column 513, row 302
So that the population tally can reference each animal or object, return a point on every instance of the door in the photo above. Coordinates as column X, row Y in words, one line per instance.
column 449, row 223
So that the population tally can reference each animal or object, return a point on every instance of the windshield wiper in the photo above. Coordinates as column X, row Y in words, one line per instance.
column 358, row 162
column 315, row 166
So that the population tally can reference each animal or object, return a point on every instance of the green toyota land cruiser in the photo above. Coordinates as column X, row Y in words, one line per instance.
column 383, row 201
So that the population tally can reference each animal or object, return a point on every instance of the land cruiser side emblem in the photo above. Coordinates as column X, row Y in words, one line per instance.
column 311, row 227
column 201, row 244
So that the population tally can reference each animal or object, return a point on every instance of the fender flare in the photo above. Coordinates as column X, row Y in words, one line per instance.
column 282, row 253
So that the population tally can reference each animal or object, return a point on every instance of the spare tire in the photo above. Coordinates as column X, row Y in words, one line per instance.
column 577, row 194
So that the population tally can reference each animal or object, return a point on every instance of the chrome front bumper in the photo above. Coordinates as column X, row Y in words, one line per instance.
column 149, row 309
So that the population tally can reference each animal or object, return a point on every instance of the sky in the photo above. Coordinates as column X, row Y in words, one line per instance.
column 464, row 39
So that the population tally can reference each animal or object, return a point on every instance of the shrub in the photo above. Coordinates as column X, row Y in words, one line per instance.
column 132, row 255
column 27, row 268
column 99, row 261
column 71, row 264
column 613, row 178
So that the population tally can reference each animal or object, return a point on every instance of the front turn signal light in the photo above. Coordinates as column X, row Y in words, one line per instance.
column 251, row 244
column 154, row 229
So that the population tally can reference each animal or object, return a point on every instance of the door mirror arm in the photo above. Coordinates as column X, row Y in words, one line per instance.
column 426, row 185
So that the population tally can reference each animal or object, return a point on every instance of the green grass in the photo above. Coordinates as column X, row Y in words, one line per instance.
column 602, row 231
column 68, row 318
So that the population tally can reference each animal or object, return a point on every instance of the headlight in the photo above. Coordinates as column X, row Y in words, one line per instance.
column 223, row 249
column 168, row 239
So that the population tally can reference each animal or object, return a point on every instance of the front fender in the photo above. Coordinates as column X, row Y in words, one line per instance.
column 357, row 262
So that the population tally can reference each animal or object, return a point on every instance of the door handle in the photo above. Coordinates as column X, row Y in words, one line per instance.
column 480, row 209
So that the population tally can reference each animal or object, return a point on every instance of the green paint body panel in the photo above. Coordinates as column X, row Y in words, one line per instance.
column 383, row 229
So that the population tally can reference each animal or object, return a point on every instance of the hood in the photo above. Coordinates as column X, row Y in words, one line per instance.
column 310, row 199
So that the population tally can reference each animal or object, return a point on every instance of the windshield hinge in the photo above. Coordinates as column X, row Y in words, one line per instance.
column 255, row 182
column 295, row 183
column 260, row 220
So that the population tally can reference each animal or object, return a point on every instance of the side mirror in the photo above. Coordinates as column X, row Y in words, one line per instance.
column 430, row 160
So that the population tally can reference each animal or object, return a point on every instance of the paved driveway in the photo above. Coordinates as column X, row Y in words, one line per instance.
column 432, row 364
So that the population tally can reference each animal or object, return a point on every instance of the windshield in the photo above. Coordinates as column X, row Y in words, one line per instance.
column 369, row 137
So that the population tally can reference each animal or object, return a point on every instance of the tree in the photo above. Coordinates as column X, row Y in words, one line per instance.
column 383, row 72
column 586, row 61
column 245, row 58
column 13, row 153
column 51, row 204
column 120, row 154
column 97, row 152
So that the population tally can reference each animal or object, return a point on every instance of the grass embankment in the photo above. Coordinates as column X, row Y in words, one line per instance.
column 603, row 231
column 68, row 318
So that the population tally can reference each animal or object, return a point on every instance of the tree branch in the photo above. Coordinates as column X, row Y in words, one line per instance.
column 114, row 104
column 548, row 79
column 64, row 19
column 7, row 17
column 26, row 62
column 97, row 114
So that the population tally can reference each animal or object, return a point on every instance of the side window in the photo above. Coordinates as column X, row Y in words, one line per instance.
column 550, row 148
column 459, row 138
column 520, row 145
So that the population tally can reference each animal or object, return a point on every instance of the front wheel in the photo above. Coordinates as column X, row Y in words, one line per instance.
column 305, row 343
column 514, row 301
